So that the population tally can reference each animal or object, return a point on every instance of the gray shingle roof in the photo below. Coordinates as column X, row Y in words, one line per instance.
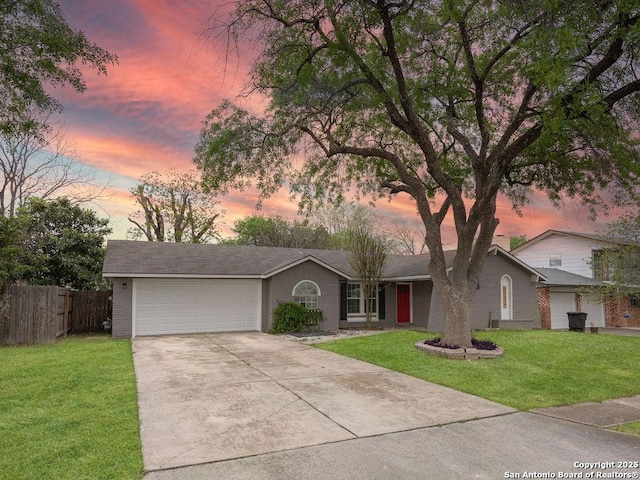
column 131, row 258
column 561, row 278
column 154, row 258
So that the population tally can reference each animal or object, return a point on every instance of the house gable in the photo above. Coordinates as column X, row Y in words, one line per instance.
column 568, row 252
column 308, row 258
column 486, row 303
column 279, row 289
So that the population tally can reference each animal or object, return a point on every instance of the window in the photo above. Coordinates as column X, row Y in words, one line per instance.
column 306, row 293
column 555, row 259
column 634, row 300
column 355, row 300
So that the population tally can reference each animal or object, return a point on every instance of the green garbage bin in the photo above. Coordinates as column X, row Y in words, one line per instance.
column 577, row 321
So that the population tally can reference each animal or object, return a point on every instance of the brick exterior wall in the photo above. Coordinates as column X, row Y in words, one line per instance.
column 578, row 303
column 122, row 308
column 544, row 305
column 620, row 313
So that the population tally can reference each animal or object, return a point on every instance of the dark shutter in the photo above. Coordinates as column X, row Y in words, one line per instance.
column 381, row 301
column 343, row 301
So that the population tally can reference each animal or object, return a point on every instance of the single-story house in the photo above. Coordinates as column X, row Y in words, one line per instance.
column 172, row 288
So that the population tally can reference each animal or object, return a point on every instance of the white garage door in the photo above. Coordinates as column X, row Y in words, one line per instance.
column 195, row 306
column 595, row 312
column 561, row 303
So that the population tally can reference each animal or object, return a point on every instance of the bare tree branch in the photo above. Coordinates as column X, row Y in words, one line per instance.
column 40, row 162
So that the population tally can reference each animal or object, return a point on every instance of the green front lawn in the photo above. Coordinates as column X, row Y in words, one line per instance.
column 632, row 428
column 69, row 411
column 539, row 368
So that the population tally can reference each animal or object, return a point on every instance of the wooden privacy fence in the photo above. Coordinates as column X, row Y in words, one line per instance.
column 39, row 314
column 88, row 310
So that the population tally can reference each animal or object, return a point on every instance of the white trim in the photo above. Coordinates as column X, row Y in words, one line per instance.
column 259, row 309
column 406, row 279
column 506, row 281
column 134, row 291
column 184, row 276
column 293, row 292
column 410, row 302
column 134, row 297
column 549, row 233
column 362, row 316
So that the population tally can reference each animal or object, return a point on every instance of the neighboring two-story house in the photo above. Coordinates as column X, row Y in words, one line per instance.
column 572, row 264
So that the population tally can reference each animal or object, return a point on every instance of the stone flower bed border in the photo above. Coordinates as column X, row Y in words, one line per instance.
column 459, row 353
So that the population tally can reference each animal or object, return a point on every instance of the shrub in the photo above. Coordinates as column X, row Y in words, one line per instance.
column 293, row 317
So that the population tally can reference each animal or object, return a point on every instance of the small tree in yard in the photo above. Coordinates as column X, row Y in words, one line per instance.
column 452, row 102
column 369, row 256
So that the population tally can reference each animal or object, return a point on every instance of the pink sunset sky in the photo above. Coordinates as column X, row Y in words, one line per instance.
column 147, row 112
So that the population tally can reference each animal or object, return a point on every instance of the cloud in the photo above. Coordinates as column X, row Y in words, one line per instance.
column 164, row 86
column 147, row 112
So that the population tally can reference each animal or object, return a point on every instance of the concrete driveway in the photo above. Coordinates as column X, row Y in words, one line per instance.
column 207, row 398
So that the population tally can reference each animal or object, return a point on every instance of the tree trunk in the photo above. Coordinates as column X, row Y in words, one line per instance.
column 456, row 301
column 368, row 301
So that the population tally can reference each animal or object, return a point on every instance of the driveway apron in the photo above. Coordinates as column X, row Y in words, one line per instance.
column 207, row 398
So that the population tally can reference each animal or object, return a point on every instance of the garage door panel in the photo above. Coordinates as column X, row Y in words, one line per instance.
column 195, row 306
column 595, row 312
column 561, row 303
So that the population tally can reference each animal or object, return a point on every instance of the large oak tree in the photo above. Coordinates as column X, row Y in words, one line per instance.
column 451, row 102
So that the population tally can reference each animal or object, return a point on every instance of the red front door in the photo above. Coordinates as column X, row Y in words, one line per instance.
column 403, row 296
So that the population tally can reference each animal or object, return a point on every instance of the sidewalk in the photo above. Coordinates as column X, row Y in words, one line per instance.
column 608, row 413
column 624, row 331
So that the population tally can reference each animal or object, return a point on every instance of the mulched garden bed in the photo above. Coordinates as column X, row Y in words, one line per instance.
column 480, row 349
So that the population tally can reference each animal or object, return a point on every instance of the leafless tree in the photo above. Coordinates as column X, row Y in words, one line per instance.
column 174, row 208
column 409, row 238
column 341, row 221
column 368, row 260
column 40, row 162
column 336, row 219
